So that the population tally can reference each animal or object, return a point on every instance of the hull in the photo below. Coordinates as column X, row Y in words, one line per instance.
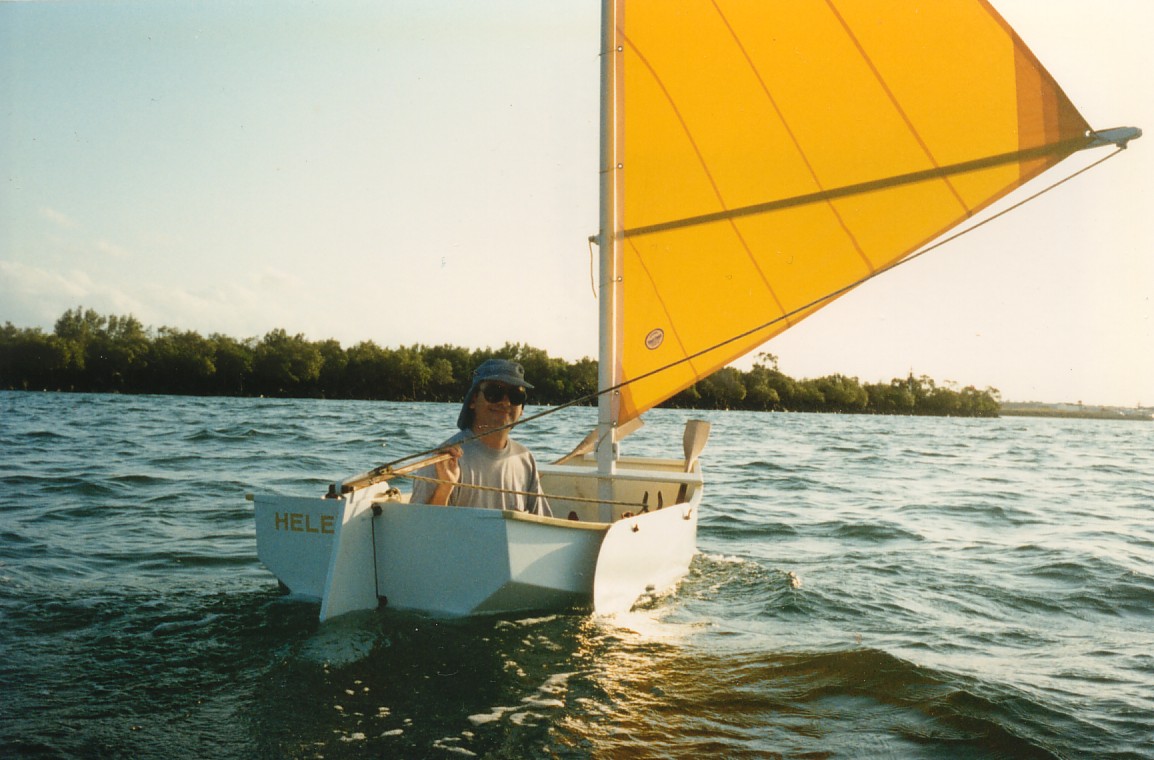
column 457, row 561
column 371, row 547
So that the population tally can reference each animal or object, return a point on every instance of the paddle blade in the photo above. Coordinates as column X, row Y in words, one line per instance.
column 696, row 436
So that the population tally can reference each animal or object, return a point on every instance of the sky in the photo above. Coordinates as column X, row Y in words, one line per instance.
column 425, row 171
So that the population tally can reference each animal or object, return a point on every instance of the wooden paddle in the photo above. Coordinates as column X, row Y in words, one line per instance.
column 388, row 472
column 694, row 440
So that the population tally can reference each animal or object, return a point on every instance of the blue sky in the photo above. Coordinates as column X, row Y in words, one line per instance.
column 425, row 171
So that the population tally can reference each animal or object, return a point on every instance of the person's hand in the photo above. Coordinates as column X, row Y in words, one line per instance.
column 449, row 473
column 450, row 469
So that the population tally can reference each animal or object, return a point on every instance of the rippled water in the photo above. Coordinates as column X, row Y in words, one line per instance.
column 866, row 587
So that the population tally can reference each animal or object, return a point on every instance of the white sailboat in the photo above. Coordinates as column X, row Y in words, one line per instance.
column 758, row 161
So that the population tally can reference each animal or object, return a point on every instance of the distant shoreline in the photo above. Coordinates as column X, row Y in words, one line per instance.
column 1056, row 411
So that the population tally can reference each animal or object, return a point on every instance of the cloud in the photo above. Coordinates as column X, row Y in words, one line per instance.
column 243, row 307
column 279, row 280
column 32, row 297
column 59, row 218
column 22, row 282
column 112, row 250
column 36, row 297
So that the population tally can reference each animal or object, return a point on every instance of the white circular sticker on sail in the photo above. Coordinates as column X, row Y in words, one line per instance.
column 655, row 338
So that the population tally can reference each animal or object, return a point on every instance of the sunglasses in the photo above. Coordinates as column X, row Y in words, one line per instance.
column 494, row 392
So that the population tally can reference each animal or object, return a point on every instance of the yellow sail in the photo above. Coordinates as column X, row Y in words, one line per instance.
column 771, row 154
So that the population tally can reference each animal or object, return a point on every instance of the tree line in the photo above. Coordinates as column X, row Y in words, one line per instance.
column 89, row 352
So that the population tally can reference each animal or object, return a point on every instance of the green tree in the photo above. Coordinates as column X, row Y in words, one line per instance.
column 366, row 371
column 123, row 355
column 331, row 377
column 30, row 359
column 77, row 328
column 975, row 403
column 760, row 395
column 234, row 361
column 89, row 351
column 842, row 394
column 441, row 380
column 451, row 368
column 807, row 396
column 286, row 365
column 408, row 376
column 723, row 389
column 181, row 362
column 582, row 379
column 890, row 398
column 80, row 325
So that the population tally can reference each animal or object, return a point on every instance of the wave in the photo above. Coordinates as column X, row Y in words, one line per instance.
column 224, row 435
column 873, row 532
column 37, row 436
column 786, row 704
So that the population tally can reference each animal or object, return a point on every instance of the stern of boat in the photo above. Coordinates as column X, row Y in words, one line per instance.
column 653, row 534
column 294, row 539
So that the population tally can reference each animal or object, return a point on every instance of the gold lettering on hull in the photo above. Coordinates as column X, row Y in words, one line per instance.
column 302, row 522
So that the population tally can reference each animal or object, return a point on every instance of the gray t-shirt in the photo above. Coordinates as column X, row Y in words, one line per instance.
column 512, row 468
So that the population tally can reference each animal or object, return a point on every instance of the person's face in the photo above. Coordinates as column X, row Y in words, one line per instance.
column 492, row 407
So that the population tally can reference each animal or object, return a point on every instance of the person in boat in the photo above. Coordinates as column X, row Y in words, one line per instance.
column 483, row 453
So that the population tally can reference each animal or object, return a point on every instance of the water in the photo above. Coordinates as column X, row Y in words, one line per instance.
column 866, row 587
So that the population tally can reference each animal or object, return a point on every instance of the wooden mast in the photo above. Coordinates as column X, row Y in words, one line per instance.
column 607, row 243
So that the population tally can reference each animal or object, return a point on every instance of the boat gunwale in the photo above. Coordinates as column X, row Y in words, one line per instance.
column 555, row 522
column 679, row 477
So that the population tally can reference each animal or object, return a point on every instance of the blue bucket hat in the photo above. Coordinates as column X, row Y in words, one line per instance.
column 501, row 370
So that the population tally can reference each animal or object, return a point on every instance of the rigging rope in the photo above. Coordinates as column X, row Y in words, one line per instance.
column 586, row 399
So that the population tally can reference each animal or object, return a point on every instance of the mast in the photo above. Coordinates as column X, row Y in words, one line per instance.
column 607, row 247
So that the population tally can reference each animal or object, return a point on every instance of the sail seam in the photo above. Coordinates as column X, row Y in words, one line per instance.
column 792, row 136
column 704, row 166
column 794, row 140
column 665, row 308
column 896, row 105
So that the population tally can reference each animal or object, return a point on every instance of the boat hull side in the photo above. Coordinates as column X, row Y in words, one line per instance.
column 455, row 561
column 294, row 540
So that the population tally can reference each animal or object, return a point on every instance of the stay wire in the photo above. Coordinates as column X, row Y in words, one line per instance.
column 586, row 399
